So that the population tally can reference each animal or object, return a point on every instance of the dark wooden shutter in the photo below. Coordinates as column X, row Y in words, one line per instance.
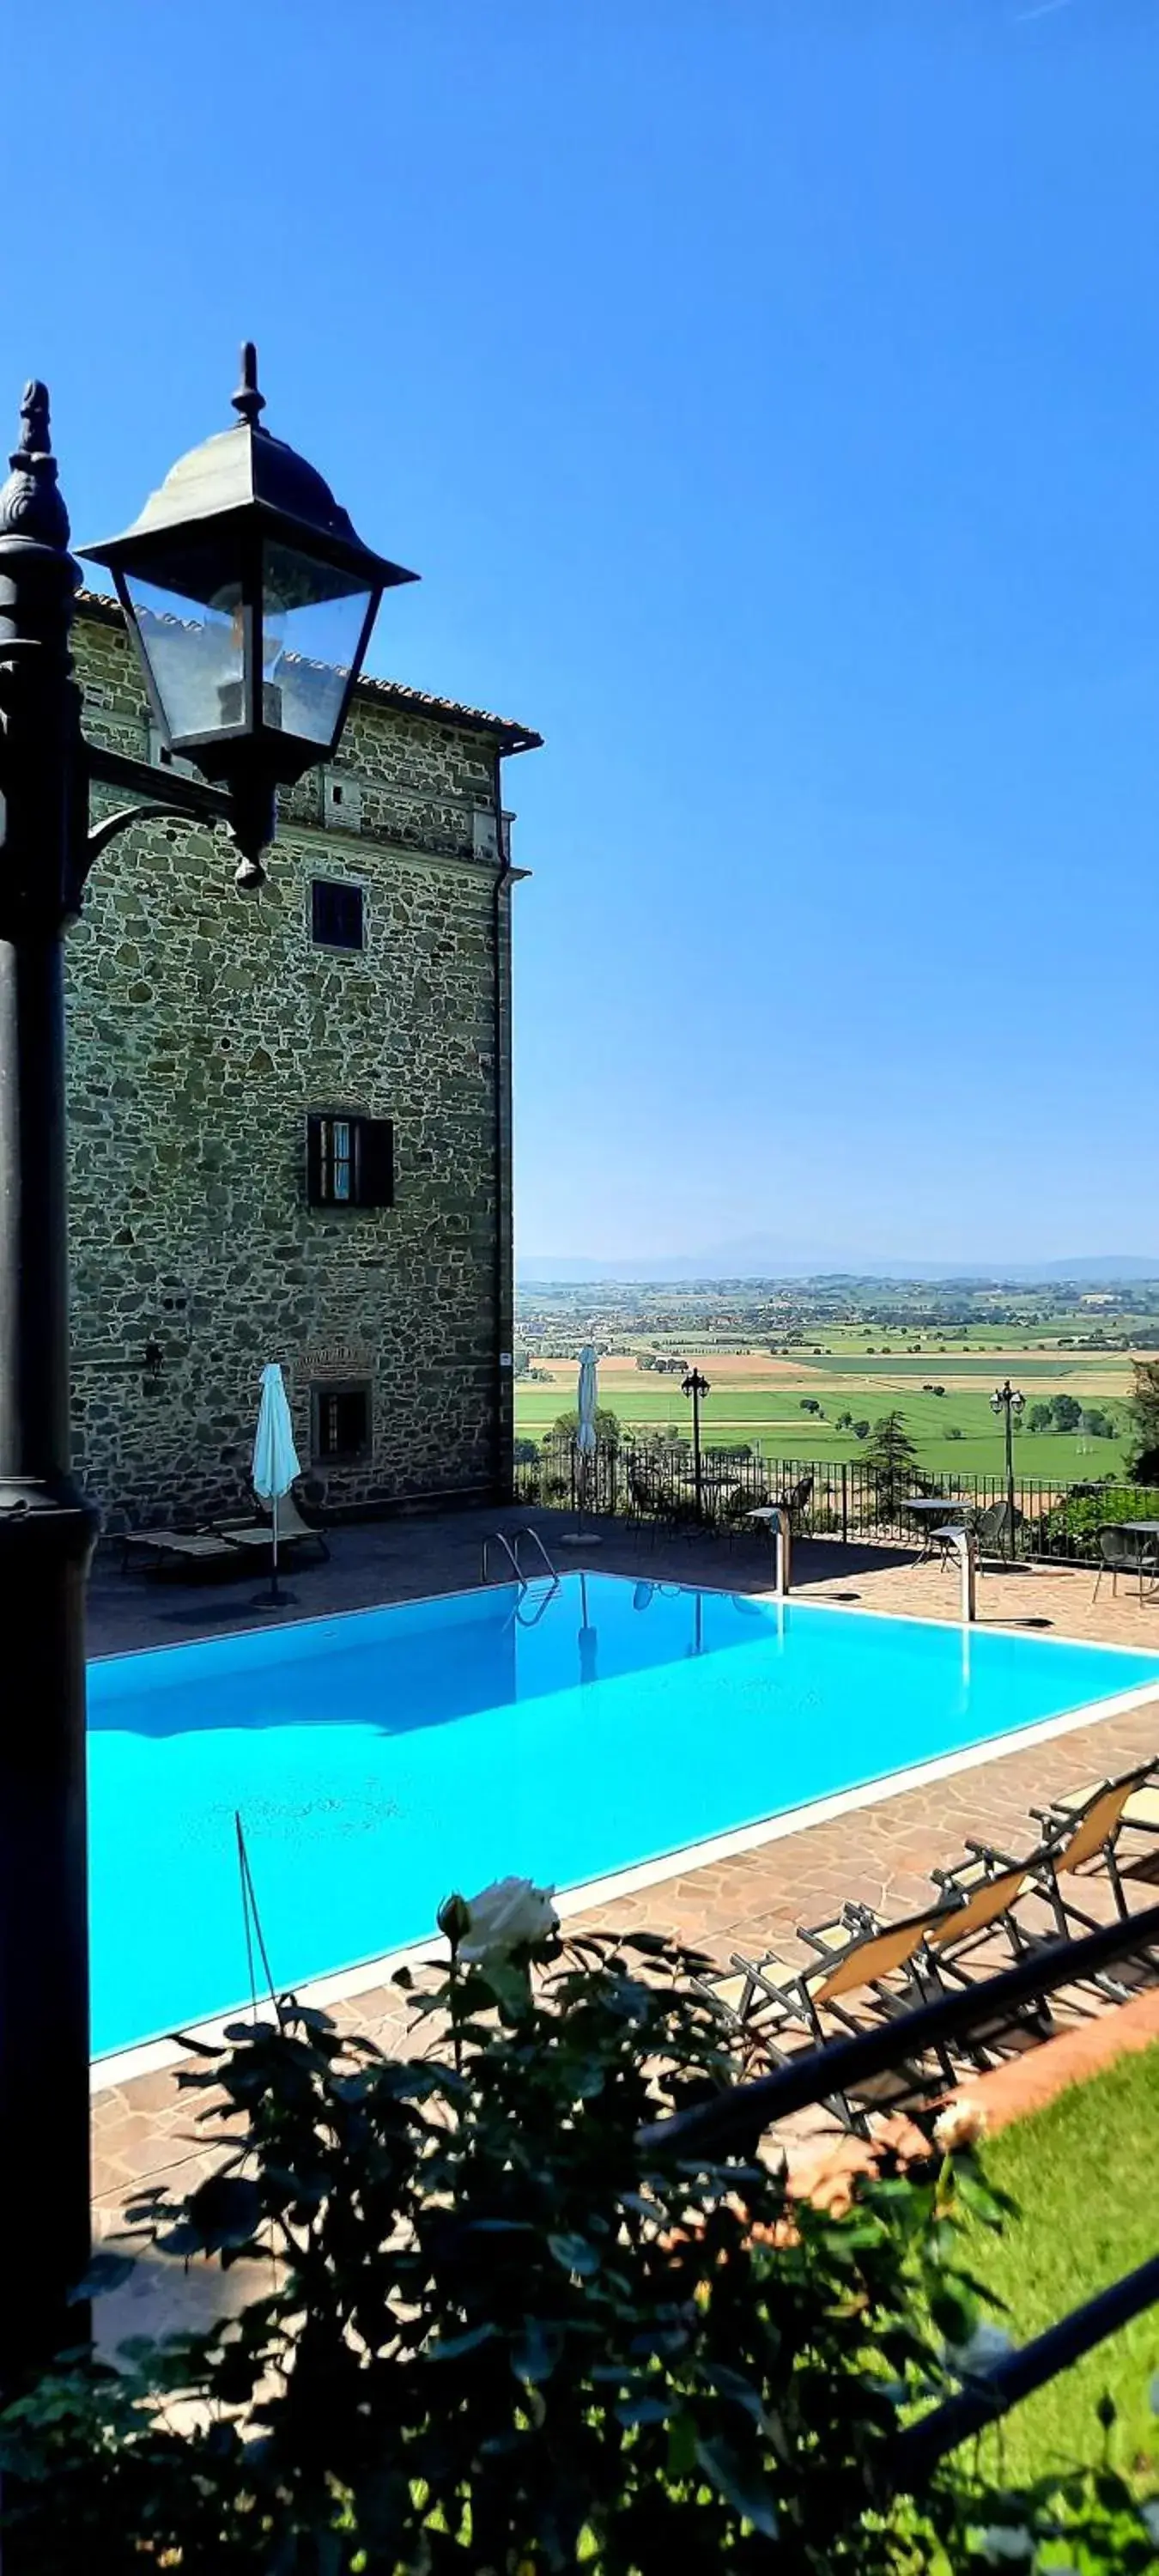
column 375, row 1162
column 314, row 1128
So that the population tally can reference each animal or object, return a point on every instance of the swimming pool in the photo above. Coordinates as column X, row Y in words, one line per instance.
column 381, row 1758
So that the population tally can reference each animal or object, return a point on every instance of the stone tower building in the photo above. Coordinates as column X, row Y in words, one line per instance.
column 290, row 1121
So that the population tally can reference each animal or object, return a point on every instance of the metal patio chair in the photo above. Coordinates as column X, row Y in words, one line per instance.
column 1124, row 1551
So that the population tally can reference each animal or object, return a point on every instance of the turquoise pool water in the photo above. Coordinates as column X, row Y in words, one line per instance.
column 380, row 1759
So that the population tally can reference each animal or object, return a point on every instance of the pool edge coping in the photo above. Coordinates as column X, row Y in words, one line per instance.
column 117, row 2067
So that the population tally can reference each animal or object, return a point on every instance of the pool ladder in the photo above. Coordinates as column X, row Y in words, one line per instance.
column 510, row 1547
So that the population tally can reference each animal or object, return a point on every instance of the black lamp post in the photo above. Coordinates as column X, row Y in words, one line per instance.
column 695, row 1384
column 1008, row 1400
column 250, row 599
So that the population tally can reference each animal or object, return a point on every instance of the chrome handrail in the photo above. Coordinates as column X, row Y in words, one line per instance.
column 498, row 1538
column 528, row 1532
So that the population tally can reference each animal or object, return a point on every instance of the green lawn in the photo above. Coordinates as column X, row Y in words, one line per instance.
column 1086, row 2176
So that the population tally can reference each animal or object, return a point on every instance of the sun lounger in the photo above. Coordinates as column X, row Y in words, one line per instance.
column 225, row 1542
column 1076, row 1845
column 858, row 1956
column 186, row 1547
column 293, row 1531
column 1141, row 1807
column 967, row 1917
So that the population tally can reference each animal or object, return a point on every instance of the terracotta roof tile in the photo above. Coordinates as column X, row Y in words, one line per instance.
column 511, row 736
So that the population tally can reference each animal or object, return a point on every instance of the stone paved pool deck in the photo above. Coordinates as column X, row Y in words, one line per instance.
column 751, row 1900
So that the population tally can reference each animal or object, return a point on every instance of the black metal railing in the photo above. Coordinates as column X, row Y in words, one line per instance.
column 850, row 1499
column 735, row 2121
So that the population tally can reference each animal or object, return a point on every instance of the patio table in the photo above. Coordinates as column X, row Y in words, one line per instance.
column 1144, row 1530
column 933, row 1513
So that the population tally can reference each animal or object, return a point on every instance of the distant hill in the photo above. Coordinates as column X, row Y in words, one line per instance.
column 760, row 1259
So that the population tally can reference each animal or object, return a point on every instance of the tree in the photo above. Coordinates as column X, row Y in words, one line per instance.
column 954, row 1431
column 1039, row 1418
column 892, row 1455
column 1143, row 1412
column 861, row 1429
column 1067, row 1411
column 844, row 1422
column 566, row 1426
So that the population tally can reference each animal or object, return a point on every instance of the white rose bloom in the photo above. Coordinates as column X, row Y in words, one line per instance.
column 505, row 1917
column 1002, row 2540
column 960, row 2125
column 1149, row 2517
column 986, row 2347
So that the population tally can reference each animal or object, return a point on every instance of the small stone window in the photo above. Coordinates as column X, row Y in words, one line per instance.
column 337, row 914
column 340, row 1422
column 349, row 1162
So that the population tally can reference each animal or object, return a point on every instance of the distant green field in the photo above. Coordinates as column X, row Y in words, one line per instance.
column 772, row 1419
column 1049, row 1365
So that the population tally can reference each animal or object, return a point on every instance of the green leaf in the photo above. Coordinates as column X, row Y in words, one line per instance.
column 575, row 2254
column 741, row 2484
column 731, row 2385
column 954, row 2311
column 681, row 2446
column 643, row 2410
column 452, row 2347
column 536, row 2352
column 225, row 2210
column 984, row 2203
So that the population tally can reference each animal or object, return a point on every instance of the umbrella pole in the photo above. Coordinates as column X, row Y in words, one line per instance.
column 275, row 1595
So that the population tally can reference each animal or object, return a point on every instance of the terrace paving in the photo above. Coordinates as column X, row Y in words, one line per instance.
column 751, row 1901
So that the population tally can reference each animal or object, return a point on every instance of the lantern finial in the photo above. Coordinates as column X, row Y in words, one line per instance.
column 247, row 400
column 31, row 504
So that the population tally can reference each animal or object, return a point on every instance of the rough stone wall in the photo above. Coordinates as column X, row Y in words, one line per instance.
column 202, row 1029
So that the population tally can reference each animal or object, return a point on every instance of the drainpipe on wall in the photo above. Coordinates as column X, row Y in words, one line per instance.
column 504, row 1321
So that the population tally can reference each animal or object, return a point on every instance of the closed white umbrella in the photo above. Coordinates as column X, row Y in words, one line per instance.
column 586, row 1396
column 275, row 1457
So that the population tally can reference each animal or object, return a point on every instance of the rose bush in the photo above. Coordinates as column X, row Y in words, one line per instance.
column 492, row 2330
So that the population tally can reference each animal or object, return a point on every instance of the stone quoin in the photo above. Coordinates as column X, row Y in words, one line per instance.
column 205, row 1032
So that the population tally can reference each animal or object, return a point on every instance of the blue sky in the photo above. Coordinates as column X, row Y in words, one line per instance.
column 768, row 391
